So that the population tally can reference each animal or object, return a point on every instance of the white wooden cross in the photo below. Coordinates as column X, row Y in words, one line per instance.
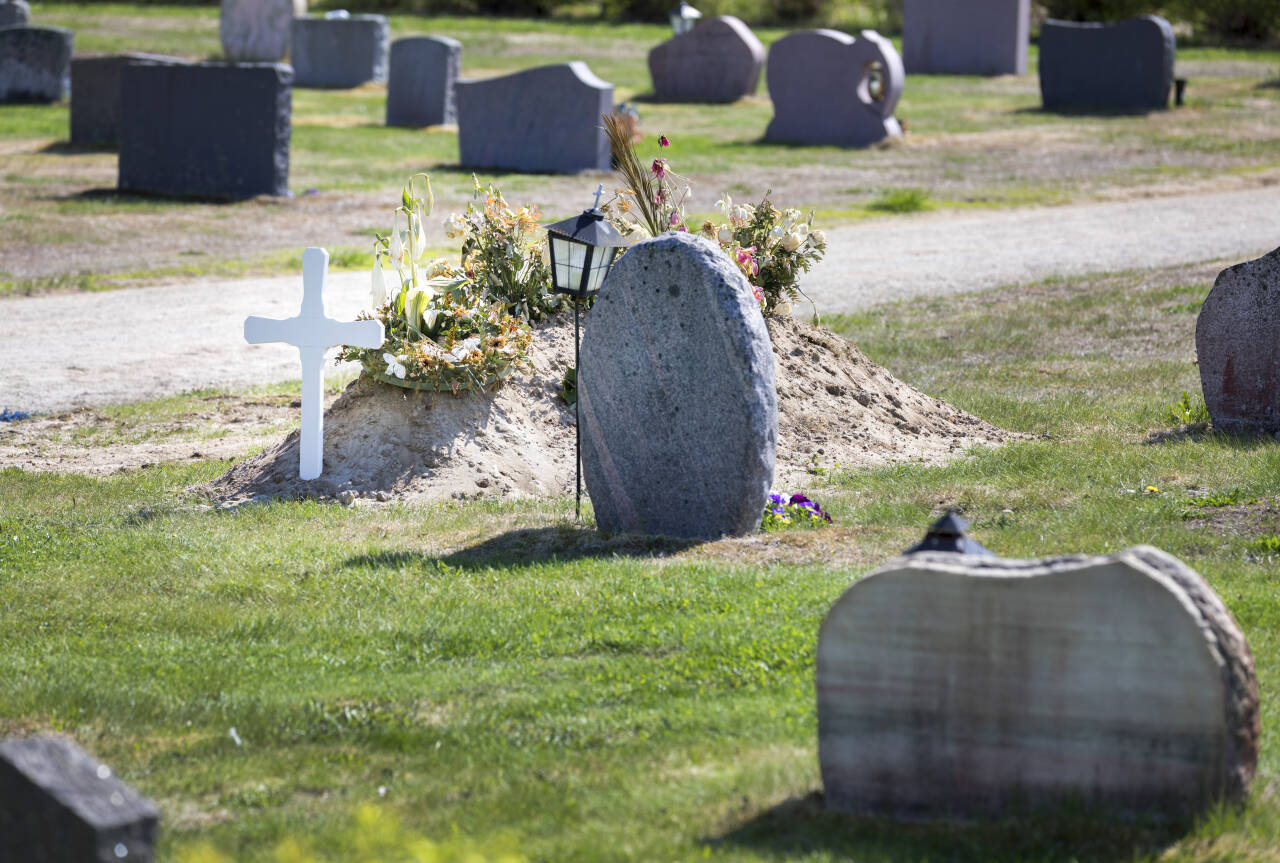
column 312, row 333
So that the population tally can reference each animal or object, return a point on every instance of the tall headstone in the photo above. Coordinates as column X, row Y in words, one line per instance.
column 96, row 92
column 1126, row 66
column 14, row 13
column 677, row 395
column 831, row 89
column 206, row 130
column 719, row 60
column 340, row 52
column 974, row 37
column 1238, row 347
column 951, row 684
column 35, row 63
column 420, row 85
column 542, row 119
column 257, row 31
column 59, row 805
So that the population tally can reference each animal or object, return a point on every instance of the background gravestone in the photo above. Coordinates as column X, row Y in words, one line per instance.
column 952, row 683
column 59, row 805
column 420, row 85
column 678, row 400
column 96, row 95
column 1126, row 66
column 824, row 88
column 719, row 60
column 543, row 119
column 974, row 37
column 14, row 13
column 35, row 63
column 1238, row 347
column 205, row 130
column 257, row 31
column 340, row 52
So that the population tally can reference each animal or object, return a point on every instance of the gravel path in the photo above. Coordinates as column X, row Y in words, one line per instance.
column 144, row 343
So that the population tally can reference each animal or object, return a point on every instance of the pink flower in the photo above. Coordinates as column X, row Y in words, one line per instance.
column 683, row 229
column 674, row 219
column 660, row 167
column 758, row 294
column 747, row 260
column 663, row 142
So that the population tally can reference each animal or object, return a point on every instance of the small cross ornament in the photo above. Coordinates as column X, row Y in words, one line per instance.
column 312, row 332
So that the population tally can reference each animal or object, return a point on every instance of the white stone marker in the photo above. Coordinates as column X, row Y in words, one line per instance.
column 312, row 332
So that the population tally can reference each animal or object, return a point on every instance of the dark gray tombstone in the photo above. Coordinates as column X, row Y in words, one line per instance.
column 829, row 88
column 14, row 13
column 96, row 94
column 257, row 31
column 973, row 37
column 339, row 52
column 60, row 805
column 953, row 684
column 35, row 63
column 206, row 130
column 1125, row 67
column 1238, row 347
column 678, row 399
column 420, row 85
column 544, row 119
column 719, row 60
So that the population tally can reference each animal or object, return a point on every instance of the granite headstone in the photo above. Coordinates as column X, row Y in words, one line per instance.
column 1238, row 347
column 677, row 394
column 719, row 60
column 205, row 130
column 953, row 684
column 831, row 89
column 976, row 37
column 1123, row 67
column 14, row 13
column 257, row 31
column 35, row 63
column 420, row 85
column 60, row 805
column 544, row 119
column 96, row 97
column 340, row 52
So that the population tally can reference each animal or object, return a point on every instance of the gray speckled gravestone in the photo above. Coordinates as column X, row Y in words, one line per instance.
column 206, row 130
column 257, row 31
column 957, row 684
column 1126, row 66
column 543, row 119
column 420, row 84
column 719, row 60
column 974, row 37
column 14, row 13
column 1238, row 347
column 59, row 805
column 678, row 401
column 96, row 97
column 35, row 63
column 339, row 52
column 829, row 88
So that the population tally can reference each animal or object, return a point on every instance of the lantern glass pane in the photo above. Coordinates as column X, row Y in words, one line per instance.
column 568, row 257
column 599, row 269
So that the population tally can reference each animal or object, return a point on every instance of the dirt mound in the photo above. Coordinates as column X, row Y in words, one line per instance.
column 836, row 407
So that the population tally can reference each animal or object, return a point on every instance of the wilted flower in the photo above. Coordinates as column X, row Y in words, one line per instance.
column 725, row 236
column 378, row 285
column 792, row 241
column 663, row 142
column 455, row 226
column 674, row 218
column 819, row 237
column 659, row 167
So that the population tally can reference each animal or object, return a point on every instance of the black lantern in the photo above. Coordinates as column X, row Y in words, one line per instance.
column 582, row 251
column 950, row 533
column 683, row 17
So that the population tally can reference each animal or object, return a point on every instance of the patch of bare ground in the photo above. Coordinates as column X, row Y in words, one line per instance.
column 1250, row 520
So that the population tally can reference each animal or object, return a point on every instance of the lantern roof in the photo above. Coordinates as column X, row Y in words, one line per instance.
column 950, row 533
column 590, row 227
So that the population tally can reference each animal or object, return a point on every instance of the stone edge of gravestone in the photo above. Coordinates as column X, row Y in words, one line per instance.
column 17, row 754
column 67, row 36
column 21, row 14
column 750, row 42
column 1062, row 27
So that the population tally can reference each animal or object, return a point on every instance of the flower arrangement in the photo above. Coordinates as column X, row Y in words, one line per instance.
column 796, row 511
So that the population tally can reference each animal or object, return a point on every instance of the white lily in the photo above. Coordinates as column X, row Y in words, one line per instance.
column 395, row 365
column 464, row 348
column 397, row 247
column 378, row 285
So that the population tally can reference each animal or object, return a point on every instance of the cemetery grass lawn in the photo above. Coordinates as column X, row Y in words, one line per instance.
column 519, row 682
column 972, row 142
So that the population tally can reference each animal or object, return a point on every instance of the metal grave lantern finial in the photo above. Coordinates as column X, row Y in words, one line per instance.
column 683, row 18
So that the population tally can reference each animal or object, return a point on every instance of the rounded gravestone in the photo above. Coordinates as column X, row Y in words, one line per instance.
column 420, row 84
column 35, row 63
column 678, row 401
column 1125, row 66
column 257, row 31
column 719, row 60
column 340, row 52
column 1238, row 347
column 14, row 13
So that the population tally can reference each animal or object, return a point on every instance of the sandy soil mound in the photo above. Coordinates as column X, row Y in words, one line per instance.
column 835, row 406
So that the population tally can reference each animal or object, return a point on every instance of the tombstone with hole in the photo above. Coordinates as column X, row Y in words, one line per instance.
column 960, row 684
column 340, row 52
column 35, row 63
column 1122, row 67
column 831, row 89
column 96, row 94
column 420, row 85
column 719, row 60
column 1238, row 347
column 976, row 37
column 59, row 805
column 257, row 31
column 545, row 120
column 205, row 130
column 14, row 13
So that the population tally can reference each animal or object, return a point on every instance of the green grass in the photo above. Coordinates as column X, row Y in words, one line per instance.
column 508, row 677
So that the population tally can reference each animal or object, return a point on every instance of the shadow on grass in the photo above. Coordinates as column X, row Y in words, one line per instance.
column 1088, row 112
column 66, row 148
column 1202, row 431
column 802, row 826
